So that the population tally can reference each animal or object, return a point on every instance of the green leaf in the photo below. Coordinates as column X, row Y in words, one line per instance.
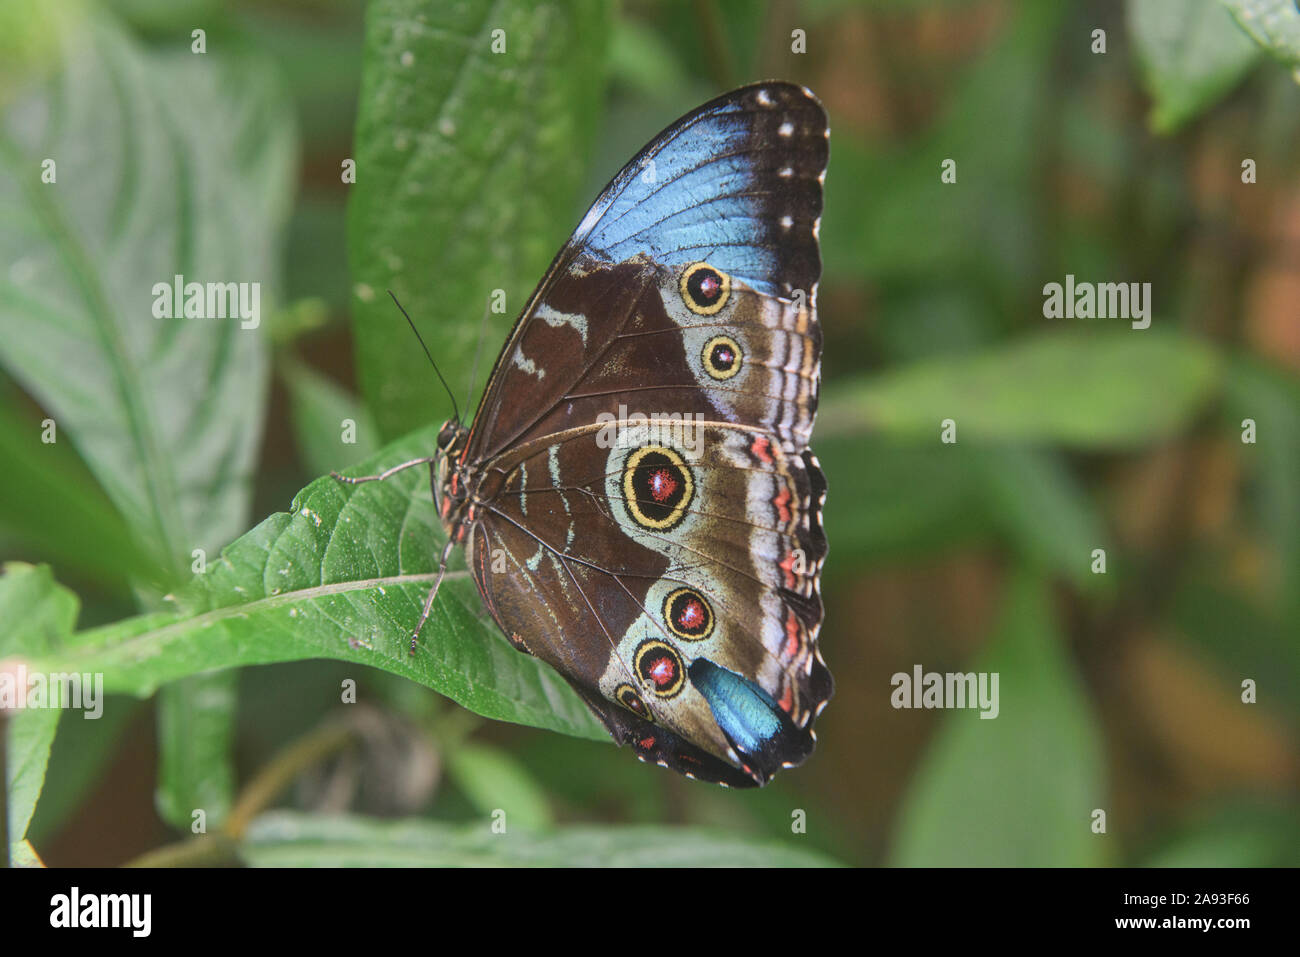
column 48, row 500
column 892, row 500
column 467, row 163
column 285, row 839
column 494, row 781
column 165, row 412
column 321, row 410
column 1044, row 511
column 342, row 575
column 1018, row 789
column 37, row 616
column 30, row 737
column 196, row 733
column 29, row 41
column 36, row 613
column 1191, row 54
column 1086, row 390
column 1274, row 25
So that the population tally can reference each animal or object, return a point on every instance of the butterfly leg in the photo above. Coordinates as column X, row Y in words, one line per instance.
column 382, row 475
column 433, row 592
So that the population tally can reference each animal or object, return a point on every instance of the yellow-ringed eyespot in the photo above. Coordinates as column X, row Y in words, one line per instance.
column 688, row 615
column 657, row 487
column 722, row 356
column 629, row 699
column 660, row 666
column 705, row 290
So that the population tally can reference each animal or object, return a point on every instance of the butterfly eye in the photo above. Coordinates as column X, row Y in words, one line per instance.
column 704, row 289
column 629, row 699
column 657, row 487
column 448, row 437
column 688, row 615
column 722, row 356
column 660, row 666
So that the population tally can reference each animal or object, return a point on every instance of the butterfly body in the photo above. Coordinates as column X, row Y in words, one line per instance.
column 635, row 496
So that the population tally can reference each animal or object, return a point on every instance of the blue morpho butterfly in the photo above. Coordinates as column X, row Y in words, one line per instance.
column 666, row 562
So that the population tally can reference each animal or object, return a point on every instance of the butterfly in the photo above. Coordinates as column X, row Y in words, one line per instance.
column 635, row 495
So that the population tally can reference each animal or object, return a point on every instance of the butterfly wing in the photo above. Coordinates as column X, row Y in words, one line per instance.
column 737, row 184
column 680, row 574
column 671, row 575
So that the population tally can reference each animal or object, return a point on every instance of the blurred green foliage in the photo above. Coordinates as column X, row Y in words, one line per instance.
column 1122, row 691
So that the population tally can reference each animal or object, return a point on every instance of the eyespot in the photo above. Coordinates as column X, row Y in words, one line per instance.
column 705, row 290
column 657, row 487
column 722, row 357
column 660, row 666
column 629, row 699
column 688, row 614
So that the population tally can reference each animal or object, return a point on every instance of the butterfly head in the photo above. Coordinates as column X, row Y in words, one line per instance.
column 451, row 438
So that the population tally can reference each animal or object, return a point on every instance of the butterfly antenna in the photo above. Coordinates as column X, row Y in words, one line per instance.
column 478, row 353
column 437, row 371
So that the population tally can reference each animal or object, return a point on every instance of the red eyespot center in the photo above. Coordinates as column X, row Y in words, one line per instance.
column 663, row 671
column 662, row 485
column 710, row 287
column 692, row 615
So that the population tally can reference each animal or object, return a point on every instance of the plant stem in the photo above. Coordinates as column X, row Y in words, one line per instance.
column 206, row 850
column 280, row 771
column 222, row 849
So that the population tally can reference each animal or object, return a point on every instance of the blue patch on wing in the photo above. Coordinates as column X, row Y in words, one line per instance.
column 717, row 186
column 743, row 710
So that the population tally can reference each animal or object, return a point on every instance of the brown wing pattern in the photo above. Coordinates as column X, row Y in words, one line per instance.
column 746, row 547
column 647, row 514
column 748, row 203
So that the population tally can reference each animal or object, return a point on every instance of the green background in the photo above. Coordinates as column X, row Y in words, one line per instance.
column 1115, row 157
